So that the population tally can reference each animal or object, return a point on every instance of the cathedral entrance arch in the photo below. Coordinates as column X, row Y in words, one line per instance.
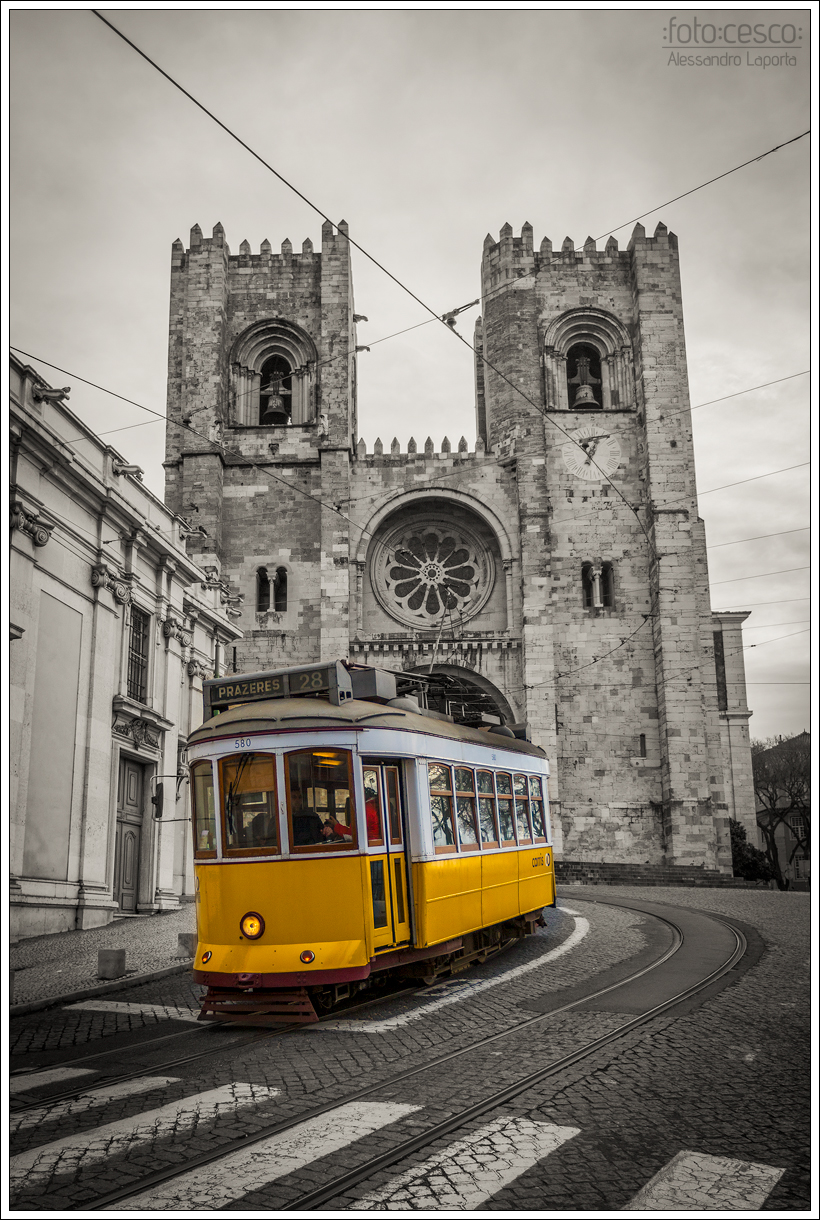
column 454, row 689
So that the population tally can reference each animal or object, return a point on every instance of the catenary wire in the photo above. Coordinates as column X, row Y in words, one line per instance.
column 409, row 291
column 72, row 525
column 486, row 362
column 757, row 537
column 758, row 575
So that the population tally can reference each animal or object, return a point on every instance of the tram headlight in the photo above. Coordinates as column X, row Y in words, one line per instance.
column 206, row 957
column 252, row 925
column 307, row 956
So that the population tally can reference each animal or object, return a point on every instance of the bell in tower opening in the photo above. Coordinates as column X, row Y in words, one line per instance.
column 275, row 392
column 584, row 371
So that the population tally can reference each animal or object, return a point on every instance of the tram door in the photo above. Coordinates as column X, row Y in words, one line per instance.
column 388, row 868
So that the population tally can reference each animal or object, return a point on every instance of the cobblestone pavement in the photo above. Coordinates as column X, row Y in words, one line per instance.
column 726, row 1080
column 47, row 967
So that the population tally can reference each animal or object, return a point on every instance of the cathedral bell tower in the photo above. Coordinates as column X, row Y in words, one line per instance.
column 585, row 393
column 261, row 425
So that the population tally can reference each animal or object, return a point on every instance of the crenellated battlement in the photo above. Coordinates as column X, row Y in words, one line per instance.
column 427, row 452
column 334, row 241
column 511, row 258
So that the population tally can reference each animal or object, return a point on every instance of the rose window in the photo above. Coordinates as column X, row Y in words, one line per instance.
column 426, row 570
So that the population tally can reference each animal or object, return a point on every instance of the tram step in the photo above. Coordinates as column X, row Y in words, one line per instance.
column 292, row 1007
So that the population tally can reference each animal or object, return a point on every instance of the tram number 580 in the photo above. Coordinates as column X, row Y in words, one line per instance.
column 242, row 743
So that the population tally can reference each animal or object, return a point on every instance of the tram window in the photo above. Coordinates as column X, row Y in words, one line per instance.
column 522, row 809
column 375, row 832
column 249, row 804
column 503, row 784
column 204, row 812
column 441, row 807
column 391, row 779
column 465, row 809
column 486, row 809
column 539, row 824
column 321, row 809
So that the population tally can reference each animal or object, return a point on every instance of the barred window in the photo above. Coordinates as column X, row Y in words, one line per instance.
column 138, row 655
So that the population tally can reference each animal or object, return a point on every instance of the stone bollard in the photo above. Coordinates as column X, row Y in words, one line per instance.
column 110, row 963
column 186, row 944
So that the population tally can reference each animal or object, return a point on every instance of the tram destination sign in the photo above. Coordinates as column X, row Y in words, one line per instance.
column 330, row 681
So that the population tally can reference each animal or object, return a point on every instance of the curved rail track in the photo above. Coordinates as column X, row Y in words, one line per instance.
column 499, row 1097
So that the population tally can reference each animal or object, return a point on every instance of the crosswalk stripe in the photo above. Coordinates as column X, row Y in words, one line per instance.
column 117, row 1139
column 693, row 1181
column 87, row 1101
column 460, row 992
column 467, row 1172
column 210, row 1188
column 38, row 1080
column 163, row 1012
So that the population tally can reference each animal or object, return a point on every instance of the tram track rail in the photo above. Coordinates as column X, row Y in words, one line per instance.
column 355, row 1177
column 209, row 1030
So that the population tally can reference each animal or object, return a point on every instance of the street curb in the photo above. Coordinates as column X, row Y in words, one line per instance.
column 20, row 1010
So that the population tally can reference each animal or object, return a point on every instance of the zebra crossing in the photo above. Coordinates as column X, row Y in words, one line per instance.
column 461, row 1176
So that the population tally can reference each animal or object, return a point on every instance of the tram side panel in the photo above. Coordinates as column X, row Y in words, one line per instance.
column 455, row 894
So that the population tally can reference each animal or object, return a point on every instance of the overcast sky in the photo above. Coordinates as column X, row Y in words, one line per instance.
column 425, row 130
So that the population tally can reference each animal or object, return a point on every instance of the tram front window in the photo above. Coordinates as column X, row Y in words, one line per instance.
column 320, row 800
column 249, row 804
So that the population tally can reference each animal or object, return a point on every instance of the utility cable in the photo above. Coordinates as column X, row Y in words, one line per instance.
column 757, row 537
column 717, row 178
column 779, row 572
column 372, row 259
column 790, row 636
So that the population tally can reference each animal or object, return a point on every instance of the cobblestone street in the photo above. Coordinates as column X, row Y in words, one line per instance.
column 697, row 1081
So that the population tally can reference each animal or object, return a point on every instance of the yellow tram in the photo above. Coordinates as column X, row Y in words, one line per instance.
column 343, row 831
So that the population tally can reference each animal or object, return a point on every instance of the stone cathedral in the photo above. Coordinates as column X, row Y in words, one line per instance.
column 556, row 575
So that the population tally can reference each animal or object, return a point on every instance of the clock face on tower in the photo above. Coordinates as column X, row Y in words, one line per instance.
column 596, row 455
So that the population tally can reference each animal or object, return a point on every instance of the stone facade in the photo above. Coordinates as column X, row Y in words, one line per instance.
column 559, row 570
column 93, row 727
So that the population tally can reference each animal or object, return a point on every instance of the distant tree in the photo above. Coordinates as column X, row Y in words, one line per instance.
column 782, row 784
column 748, row 862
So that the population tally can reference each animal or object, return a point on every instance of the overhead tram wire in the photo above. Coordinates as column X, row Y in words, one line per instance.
column 395, row 279
column 367, row 255
column 434, row 315
column 446, row 474
column 333, row 508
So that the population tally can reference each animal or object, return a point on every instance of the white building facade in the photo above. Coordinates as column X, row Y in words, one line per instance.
column 113, row 628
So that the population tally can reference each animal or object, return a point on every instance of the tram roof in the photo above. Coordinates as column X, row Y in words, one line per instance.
column 286, row 715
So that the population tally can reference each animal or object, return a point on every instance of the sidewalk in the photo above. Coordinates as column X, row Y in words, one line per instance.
column 55, row 967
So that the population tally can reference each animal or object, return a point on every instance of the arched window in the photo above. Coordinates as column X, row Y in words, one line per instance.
column 588, row 363
column 597, row 585
column 262, row 591
column 584, row 378
column 280, row 590
column 273, row 375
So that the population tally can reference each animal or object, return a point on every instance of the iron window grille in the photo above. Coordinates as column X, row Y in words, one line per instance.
column 138, row 656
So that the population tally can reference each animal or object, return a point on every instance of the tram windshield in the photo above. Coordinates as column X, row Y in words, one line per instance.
column 249, row 804
column 321, row 806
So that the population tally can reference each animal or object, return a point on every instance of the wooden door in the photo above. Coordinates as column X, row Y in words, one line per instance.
column 129, row 834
